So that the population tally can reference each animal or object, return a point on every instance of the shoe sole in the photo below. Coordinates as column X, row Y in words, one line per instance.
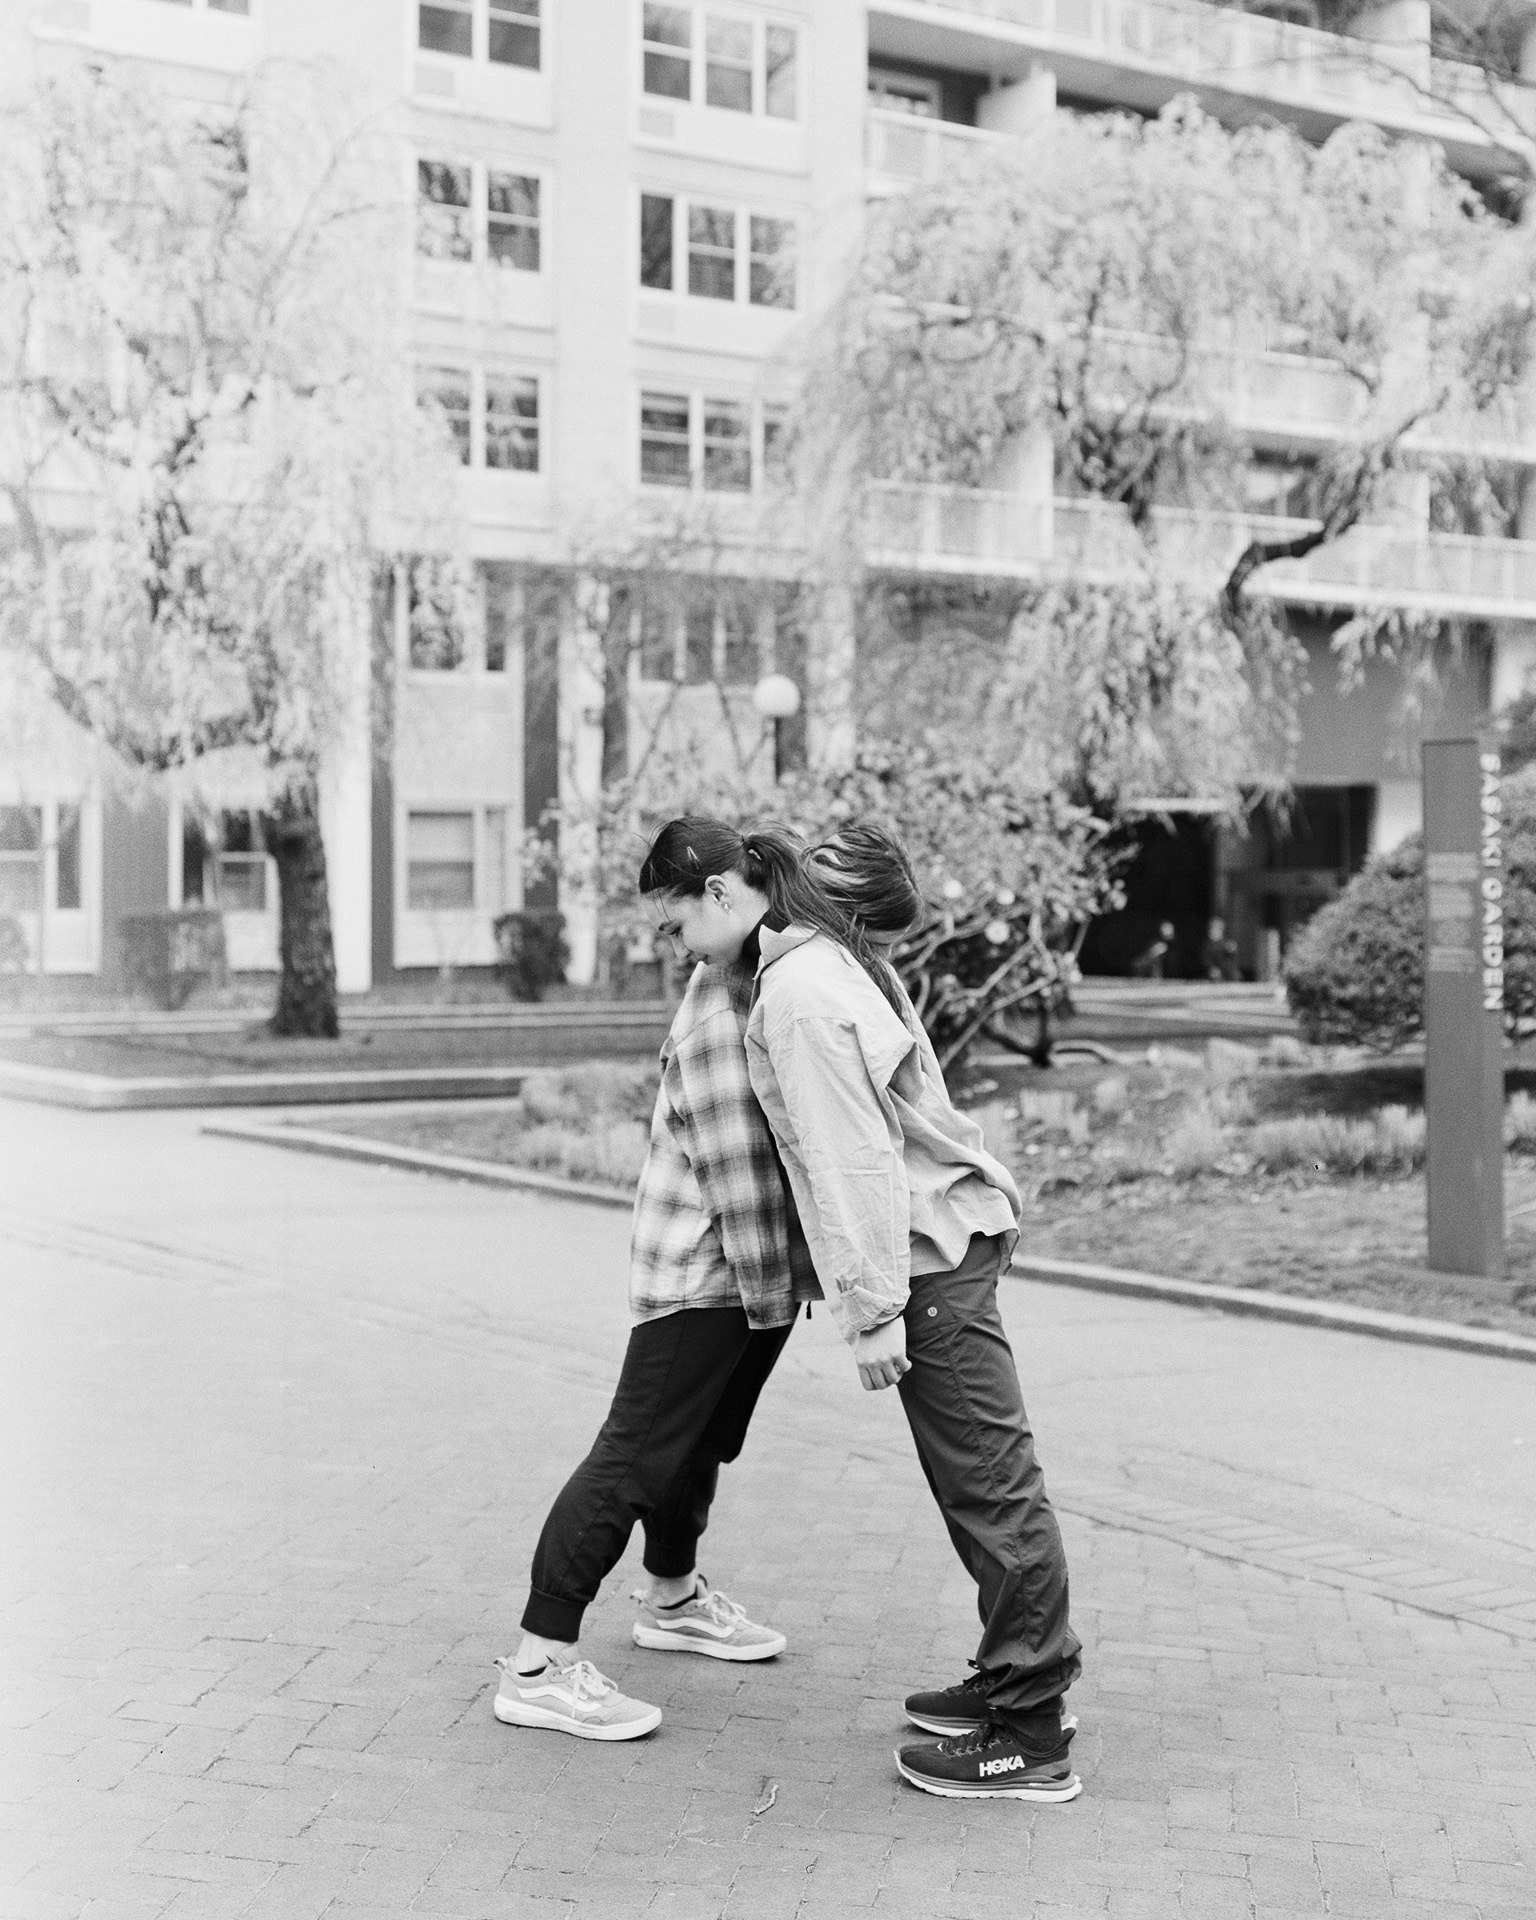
column 1044, row 1790
column 515, row 1714
column 659, row 1641
column 951, row 1727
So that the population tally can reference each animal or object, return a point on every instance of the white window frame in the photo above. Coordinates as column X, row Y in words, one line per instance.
column 698, row 398
column 479, row 210
column 482, row 902
column 479, row 373
column 743, row 214
column 700, row 12
column 921, row 85
column 678, row 620
column 478, row 13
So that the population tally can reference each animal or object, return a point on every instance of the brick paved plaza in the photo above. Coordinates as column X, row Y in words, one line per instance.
column 279, row 1433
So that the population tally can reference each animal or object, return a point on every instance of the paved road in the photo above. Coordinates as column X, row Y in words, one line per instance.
column 278, row 1434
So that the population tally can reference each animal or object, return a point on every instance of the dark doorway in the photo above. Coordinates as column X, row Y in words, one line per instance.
column 1168, row 882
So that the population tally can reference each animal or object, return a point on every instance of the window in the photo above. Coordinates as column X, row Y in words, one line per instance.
column 446, row 26
column 656, row 241
column 434, row 630
column 728, row 63
column 439, row 862
column 709, row 633
column 442, row 211
column 240, row 865
column 747, row 66
column 780, row 92
column 667, row 33
column 712, row 253
column 903, row 93
column 447, row 389
column 513, row 30
column 664, row 460
column 775, row 419
column 512, row 422
column 21, row 859
column 727, row 447
column 772, row 278
column 512, row 216
column 514, row 33
column 67, row 870
column 712, row 249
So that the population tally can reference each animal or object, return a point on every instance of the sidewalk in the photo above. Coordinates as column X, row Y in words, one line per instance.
column 281, row 1430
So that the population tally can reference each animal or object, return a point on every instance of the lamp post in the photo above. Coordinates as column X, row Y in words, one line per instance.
column 777, row 698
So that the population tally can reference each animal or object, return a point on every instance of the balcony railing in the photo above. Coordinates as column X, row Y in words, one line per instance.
column 1370, row 566
column 908, row 147
column 944, row 529
column 1251, row 54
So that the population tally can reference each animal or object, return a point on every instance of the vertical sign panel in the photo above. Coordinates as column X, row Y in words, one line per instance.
column 1464, row 1005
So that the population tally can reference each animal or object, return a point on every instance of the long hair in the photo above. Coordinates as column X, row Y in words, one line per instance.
column 691, row 849
column 864, row 869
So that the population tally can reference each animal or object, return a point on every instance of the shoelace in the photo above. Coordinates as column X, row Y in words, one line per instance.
column 724, row 1613
column 972, row 1742
column 581, row 1676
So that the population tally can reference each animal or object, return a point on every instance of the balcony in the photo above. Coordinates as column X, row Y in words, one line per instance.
column 1142, row 53
column 1455, row 575
column 1299, row 397
column 904, row 149
column 915, row 527
column 219, row 37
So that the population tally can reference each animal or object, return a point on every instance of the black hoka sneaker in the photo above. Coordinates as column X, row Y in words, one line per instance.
column 990, row 1763
column 959, row 1708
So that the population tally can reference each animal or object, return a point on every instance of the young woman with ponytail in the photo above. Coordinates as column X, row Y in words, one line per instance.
column 910, row 1223
column 718, row 1268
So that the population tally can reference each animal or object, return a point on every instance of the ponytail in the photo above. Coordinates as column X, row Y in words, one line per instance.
column 689, row 850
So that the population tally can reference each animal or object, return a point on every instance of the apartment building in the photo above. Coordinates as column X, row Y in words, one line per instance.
column 622, row 207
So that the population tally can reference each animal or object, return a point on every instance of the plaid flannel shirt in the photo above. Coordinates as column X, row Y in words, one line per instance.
column 714, row 1224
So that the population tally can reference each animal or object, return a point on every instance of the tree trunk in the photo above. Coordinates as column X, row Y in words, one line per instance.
column 306, row 995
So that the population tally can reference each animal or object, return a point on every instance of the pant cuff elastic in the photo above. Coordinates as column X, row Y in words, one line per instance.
column 668, row 1563
column 551, row 1618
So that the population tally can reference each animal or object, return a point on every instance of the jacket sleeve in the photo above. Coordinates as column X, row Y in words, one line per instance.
column 731, row 1151
column 852, row 1155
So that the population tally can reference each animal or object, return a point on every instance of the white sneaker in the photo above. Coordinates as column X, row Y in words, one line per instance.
column 574, row 1698
column 708, row 1624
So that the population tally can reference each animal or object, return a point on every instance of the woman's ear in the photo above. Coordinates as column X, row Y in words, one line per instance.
column 718, row 891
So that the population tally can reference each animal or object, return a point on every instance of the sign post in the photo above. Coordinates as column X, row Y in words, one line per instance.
column 1464, row 1005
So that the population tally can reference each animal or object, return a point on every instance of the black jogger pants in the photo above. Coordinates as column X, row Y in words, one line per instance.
column 966, row 1412
column 685, row 1398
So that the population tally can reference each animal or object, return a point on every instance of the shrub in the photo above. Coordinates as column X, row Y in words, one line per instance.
column 1355, row 977
column 1053, row 1113
column 1230, row 1106
column 601, row 1091
column 1391, row 1140
column 1112, row 1096
column 1520, row 1123
column 532, row 951
column 1197, row 1143
column 611, row 1154
column 1228, row 1060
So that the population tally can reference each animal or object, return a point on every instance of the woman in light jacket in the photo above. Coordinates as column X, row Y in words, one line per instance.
column 910, row 1221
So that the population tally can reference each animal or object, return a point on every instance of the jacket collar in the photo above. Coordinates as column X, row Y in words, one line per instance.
column 775, row 942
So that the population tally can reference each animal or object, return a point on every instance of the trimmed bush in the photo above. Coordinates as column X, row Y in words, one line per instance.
column 532, row 951
column 1355, row 977
column 1390, row 1141
column 600, row 1092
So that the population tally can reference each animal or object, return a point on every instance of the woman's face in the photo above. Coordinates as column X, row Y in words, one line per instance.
column 710, row 926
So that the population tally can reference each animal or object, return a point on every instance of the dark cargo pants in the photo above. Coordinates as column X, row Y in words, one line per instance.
column 966, row 1412
column 686, row 1394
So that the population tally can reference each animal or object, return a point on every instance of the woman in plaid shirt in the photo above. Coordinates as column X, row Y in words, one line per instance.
column 718, row 1269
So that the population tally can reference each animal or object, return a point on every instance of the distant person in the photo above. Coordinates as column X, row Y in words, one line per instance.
column 1218, row 956
column 1150, row 965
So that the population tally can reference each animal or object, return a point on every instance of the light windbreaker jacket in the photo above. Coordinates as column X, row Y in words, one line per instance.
column 713, row 1223
column 888, row 1177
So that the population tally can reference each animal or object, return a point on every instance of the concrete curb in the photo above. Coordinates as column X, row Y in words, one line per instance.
column 1278, row 1306
column 100, row 1092
column 485, row 1173
column 1067, row 1273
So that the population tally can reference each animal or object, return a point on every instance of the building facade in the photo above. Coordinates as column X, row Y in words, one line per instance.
column 622, row 208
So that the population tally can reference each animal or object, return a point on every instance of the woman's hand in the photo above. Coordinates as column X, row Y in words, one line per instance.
column 882, row 1354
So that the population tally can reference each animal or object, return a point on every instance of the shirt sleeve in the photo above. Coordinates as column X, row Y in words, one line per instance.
column 731, row 1151
column 852, row 1155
